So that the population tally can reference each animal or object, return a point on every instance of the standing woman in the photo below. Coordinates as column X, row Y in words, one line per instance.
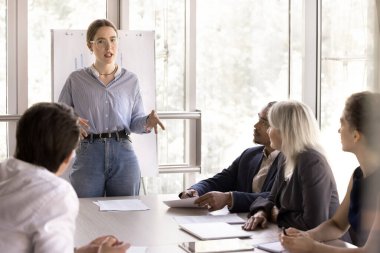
column 107, row 98
column 304, row 193
column 360, row 209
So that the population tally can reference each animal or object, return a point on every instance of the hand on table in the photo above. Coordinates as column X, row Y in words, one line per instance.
column 258, row 219
column 104, row 244
column 214, row 200
column 297, row 241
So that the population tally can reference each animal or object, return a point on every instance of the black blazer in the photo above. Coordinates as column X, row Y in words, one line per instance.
column 305, row 200
column 238, row 177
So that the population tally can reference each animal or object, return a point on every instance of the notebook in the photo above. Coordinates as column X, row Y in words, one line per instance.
column 273, row 247
column 223, row 245
column 214, row 230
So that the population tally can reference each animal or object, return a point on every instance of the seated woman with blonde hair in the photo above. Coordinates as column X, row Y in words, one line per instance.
column 359, row 211
column 304, row 193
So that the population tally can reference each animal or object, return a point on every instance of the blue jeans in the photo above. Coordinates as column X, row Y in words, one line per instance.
column 105, row 167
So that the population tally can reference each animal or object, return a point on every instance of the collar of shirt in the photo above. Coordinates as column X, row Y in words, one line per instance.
column 96, row 73
column 272, row 155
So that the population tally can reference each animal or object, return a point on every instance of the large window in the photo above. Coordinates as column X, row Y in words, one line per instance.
column 242, row 64
column 42, row 17
column 348, row 65
column 245, row 53
column 236, row 67
column 167, row 19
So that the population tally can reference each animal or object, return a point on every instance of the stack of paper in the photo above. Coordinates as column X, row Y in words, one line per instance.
column 274, row 247
column 231, row 218
column 189, row 202
column 214, row 230
column 121, row 205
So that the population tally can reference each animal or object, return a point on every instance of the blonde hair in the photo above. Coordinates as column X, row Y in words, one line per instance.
column 298, row 128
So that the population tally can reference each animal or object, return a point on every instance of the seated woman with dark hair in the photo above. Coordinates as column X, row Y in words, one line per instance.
column 359, row 211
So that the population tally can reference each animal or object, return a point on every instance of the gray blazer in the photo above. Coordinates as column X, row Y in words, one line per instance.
column 305, row 200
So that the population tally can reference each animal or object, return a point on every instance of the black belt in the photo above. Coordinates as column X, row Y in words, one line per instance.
column 116, row 135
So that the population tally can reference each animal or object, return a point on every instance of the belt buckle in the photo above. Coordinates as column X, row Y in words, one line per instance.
column 105, row 135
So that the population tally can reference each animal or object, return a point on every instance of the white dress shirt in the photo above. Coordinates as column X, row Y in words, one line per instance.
column 37, row 209
column 266, row 163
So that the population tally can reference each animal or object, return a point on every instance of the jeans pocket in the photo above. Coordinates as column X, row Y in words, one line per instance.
column 83, row 146
column 127, row 144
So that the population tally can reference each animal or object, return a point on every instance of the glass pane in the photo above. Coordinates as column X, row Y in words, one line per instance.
column 42, row 17
column 3, row 140
column 164, row 184
column 168, row 22
column 3, row 78
column 242, row 64
column 167, row 19
column 349, row 46
column 297, row 48
column 171, row 147
column 3, row 58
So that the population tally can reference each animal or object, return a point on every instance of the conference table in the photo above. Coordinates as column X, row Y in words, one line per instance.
column 155, row 228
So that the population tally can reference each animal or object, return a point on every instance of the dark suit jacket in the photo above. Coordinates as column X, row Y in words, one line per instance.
column 238, row 179
column 305, row 200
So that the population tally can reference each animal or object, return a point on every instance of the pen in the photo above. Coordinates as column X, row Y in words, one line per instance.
column 284, row 231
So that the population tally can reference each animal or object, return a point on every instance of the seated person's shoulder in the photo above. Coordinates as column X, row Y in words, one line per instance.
column 254, row 150
column 311, row 155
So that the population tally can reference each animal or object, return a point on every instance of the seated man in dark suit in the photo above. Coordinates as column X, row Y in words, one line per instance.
column 251, row 175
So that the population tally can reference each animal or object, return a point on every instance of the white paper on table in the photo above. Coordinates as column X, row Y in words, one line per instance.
column 214, row 230
column 232, row 218
column 135, row 249
column 275, row 247
column 222, row 211
column 121, row 205
column 189, row 202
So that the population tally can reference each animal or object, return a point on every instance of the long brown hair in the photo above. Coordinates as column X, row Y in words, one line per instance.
column 362, row 112
column 94, row 27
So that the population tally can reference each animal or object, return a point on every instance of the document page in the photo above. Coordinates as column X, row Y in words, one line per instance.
column 274, row 247
column 214, row 230
column 212, row 246
column 121, row 205
column 189, row 202
column 231, row 218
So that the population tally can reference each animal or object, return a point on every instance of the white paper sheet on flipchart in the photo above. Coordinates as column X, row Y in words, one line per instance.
column 121, row 205
column 189, row 202
column 231, row 218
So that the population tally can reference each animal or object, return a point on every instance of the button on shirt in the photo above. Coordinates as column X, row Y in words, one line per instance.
column 259, row 178
column 110, row 108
